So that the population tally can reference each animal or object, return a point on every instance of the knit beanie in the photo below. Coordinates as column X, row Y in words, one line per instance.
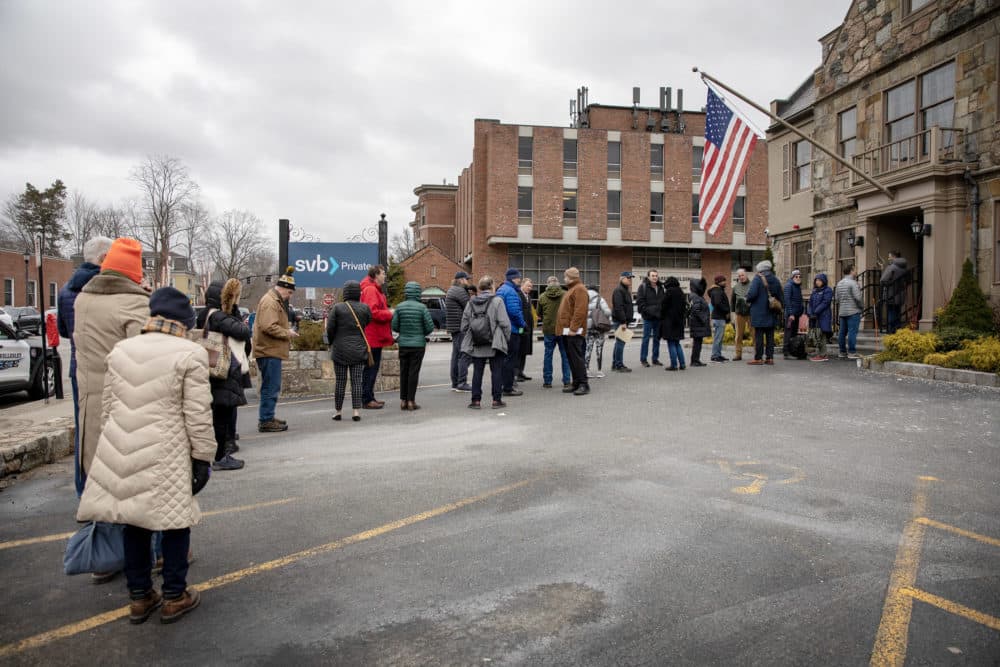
column 512, row 273
column 172, row 304
column 763, row 265
column 287, row 280
column 125, row 257
column 572, row 272
column 719, row 279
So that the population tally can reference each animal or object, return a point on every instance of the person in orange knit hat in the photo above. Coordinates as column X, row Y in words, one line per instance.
column 125, row 258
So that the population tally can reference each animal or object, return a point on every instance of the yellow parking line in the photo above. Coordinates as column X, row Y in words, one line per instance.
column 991, row 622
column 72, row 629
column 65, row 536
column 985, row 539
column 893, row 630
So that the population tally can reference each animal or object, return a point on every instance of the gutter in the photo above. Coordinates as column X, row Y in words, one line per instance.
column 974, row 241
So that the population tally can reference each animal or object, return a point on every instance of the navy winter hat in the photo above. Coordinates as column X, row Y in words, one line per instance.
column 172, row 304
column 461, row 274
column 626, row 274
column 512, row 273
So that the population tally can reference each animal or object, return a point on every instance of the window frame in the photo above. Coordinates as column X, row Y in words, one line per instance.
column 615, row 168
column 842, row 139
column 32, row 294
column 8, row 291
column 521, row 218
column 655, row 170
column 841, row 245
column 570, row 165
column 695, row 210
column 803, row 169
column 740, row 223
column 569, row 214
column 53, row 294
column 615, row 217
column 806, row 268
column 697, row 164
column 655, row 219
column 525, row 166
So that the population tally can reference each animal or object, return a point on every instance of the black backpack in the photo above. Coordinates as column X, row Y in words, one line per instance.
column 479, row 327
column 797, row 347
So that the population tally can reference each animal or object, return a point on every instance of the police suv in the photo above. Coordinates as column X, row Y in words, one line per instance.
column 21, row 366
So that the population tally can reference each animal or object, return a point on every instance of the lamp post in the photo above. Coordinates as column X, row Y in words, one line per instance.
column 27, row 292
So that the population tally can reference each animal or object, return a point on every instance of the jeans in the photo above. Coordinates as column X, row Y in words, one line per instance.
column 410, row 360
column 138, row 568
column 718, row 331
column 763, row 343
column 650, row 332
column 270, row 387
column 511, row 360
column 371, row 372
column 496, row 376
column 459, row 361
column 79, row 478
column 676, row 353
column 892, row 318
column 847, row 338
column 618, row 354
column 551, row 341
column 575, row 350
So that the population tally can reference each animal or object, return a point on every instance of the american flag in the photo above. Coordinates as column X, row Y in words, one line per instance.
column 729, row 141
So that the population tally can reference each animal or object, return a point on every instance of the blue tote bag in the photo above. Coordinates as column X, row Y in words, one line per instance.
column 97, row 547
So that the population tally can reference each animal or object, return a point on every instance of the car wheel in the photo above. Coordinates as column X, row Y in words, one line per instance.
column 37, row 390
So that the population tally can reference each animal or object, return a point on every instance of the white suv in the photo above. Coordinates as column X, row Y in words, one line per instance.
column 21, row 367
column 6, row 318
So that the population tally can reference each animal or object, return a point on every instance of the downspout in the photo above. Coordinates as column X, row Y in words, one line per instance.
column 974, row 242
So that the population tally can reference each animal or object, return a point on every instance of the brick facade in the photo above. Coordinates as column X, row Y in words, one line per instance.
column 431, row 267
column 57, row 271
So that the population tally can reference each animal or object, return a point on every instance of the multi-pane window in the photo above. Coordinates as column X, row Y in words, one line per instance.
column 614, row 209
column 845, row 253
column 900, row 117
column 32, row 293
column 802, row 260
column 740, row 215
column 569, row 208
column 8, row 291
column 696, row 160
column 540, row 262
column 802, row 178
column 614, row 159
column 847, row 130
column 524, row 206
column 525, row 146
column 656, row 162
column 667, row 258
column 656, row 210
column 914, row 5
column 937, row 100
column 746, row 259
column 53, row 289
column 695, row 205
column 911, row 108
column 569, row 157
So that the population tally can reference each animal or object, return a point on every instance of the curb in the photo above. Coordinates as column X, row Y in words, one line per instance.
column 52, row 441
column 937, row 373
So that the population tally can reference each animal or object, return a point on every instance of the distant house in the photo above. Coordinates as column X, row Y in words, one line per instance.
column 431, row 267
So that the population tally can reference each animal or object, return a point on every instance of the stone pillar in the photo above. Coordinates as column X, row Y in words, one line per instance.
column 388, row 375
column 943, row 254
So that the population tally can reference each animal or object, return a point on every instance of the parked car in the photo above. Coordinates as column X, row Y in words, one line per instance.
column 435, row 304
column 21, row 367
column 312, row 313
column 6, row 318
column 26, row 318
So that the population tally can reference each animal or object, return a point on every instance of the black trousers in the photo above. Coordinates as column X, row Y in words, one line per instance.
column 496, row 373
column 410, row 360
column 459, row 361
column 511, row 360
column 696, row 343
column 224, row 424
column 139, row 565
column 577, row 353
column 763, row 340
column 370, row 375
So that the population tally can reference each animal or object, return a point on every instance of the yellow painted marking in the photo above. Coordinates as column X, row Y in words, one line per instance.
column 72, row 629
column 985, row 539
column 893, row 630
column 758, row 480
column 991, row 622
column 65, row 536
column 928, row 478
column 751, row 489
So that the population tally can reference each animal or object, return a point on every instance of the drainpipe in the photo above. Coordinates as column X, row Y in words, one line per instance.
column 974, row 245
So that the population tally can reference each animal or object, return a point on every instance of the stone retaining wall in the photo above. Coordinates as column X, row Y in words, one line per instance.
column 927, row 372
column 311, row 373
column 44, row 444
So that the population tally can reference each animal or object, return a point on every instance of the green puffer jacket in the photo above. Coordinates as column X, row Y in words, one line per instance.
column 548, row 308
column 412, row 319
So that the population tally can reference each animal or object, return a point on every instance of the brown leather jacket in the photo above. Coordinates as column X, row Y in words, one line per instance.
column 573, row 310
column 270, row 328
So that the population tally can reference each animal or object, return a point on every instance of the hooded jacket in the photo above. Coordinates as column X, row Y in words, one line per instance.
column 593, row 301
column 672, row 311
column 698, row 319
column 761, row 315
column 548, row 309
column 221, row 297
column 499, row 325
column 649, row 299
column 348, row 345
column 271, row 332
column 573, row 309
column 793, row 299
column 66, row 317
column 412, row 319
column 820, row 303
column 455, row 301
column 894, row 280
column 377, row 332
column 622, row 310
column 511, row 295
column 720, row 303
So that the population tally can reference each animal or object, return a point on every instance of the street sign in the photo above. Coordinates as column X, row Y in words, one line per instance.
column 331, row 264
column 328, row 299
column 310, row 293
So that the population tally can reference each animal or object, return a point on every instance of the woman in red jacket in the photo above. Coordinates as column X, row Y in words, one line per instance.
column 377, row 332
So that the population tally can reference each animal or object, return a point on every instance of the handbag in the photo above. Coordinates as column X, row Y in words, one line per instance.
column 219, row 354
column 97, row 547
column 773, row 303
column 371, row 359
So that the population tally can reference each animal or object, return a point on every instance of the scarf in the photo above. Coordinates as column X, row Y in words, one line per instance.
column 163, row 325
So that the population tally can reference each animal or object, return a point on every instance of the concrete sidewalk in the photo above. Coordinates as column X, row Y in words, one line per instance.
column 35, row 433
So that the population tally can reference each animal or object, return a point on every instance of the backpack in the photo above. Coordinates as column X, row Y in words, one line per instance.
column 600, row 322
column 797, row 347
column 479, row 327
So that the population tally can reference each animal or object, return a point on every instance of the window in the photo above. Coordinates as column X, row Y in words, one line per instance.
column 569, row 208
column 696, row 160
column 845, row 253
column 32, row 293
column 695, row 205
column 614, row 159
column 53, row 290
column 802, row 178
column 913, row 5
column 746, row 259
column 656, row 210
column 934, row 98
column 8, row 291
column 540, row 262
column 937, row 101
column 434, row 271
column 666, row 258
column 656, row 162
column 569, row 157
column 847, row 129
column 740, row 215
column 524, row 148
column 524, row 206
column 802, row 260
column 614, row 209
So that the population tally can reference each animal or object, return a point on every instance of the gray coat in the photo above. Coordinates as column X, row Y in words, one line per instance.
column 848, row 297
column 499, row 323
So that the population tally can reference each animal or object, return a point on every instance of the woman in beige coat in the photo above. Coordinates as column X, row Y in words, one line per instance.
column 154, row 452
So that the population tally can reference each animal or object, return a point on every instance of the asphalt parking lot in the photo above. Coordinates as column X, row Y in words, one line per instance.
column 795, row 514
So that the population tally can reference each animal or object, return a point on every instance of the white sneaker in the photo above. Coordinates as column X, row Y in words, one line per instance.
column 853, row 355
column 598, row 374
column 592, row 374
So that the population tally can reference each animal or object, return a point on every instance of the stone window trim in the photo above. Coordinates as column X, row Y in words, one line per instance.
column 614, row 159
column 911, row 13
column 918, row 106
column 614, row 209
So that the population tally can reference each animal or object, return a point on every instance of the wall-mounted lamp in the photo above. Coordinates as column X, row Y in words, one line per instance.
column 920, row 228
column 855, row 241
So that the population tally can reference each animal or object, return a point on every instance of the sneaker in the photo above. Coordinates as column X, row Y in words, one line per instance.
column 272, row 426
column 656, row 362
column 280, row 421
column 842, row 355
column 141, row 609
column 227, row 462
column 853, row 355
column 670, row 368
column 475, row 405
column 582, row 390
column 232, row 447
column 568, row 389
column 624, row 369
column 645, row 364
column 598, row 374
column 756, row 362
column 547, row 385
column 819, row 358
column 593, row 374
column 499, row 404
column 174, row 609
column 721, row 358
column 514, row 392
column 465, row 387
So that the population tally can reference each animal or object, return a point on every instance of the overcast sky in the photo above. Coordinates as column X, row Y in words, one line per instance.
column 329, row 113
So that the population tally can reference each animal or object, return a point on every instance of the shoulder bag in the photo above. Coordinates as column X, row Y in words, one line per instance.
column 371, row 359
column 220, row 356
column 97, row 547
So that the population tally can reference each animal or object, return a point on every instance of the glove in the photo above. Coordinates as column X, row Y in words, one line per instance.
column 200, row 472
column 520, row 330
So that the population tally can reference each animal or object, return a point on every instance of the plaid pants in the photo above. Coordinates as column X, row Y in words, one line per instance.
column 357, row 372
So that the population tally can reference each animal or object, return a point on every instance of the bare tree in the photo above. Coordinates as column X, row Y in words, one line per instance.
column 238, row 240
column 195, row 235
column 401, row 245
column 82, row 221
column 166, row 188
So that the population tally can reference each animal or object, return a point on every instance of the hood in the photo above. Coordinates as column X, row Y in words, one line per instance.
column 213, row 295
column 412, row 291
column 352, row 291
column 822, row 278
column 368, row 281
column 900, row 262
column 554, row 291
column 698, row 286
column 672, row 282
column 482, row 298
column 231, row 295
column 82, row 276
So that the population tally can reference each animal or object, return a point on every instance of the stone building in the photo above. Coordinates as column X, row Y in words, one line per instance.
column 906, row 91
column 615, row 191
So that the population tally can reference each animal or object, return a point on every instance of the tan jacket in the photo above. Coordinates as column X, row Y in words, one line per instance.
column 110, row 308
column 270, row 327
column 157, row 415
column 573, row 310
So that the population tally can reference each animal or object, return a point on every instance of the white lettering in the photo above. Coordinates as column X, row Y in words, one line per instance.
column 354, row 266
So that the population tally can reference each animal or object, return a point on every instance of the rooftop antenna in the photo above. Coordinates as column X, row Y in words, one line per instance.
column 572, row 113
column 584, row 119
column 650, row 123
column 680, row 110
column 635, row 107
column 668, row 97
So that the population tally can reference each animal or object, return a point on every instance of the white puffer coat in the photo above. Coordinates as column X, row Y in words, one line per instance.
column 157, row 416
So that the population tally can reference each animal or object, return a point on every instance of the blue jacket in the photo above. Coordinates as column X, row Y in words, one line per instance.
column 66, row 317
column 819, row 305
column 793, row 299
column 760, row 314
column 510, row 293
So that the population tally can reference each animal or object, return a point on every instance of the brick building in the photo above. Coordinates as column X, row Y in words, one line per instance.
column 431, row 267
column 618, row 190
column 56, row 272
column 907, row 91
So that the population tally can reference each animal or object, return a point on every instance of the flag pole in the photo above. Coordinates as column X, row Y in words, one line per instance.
column 796, row 131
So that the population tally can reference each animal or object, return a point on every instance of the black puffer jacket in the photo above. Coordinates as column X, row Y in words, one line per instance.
column 226, row 392
column 698, row 319
column 455, row 302
column 672, row 311
column 347, row 342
